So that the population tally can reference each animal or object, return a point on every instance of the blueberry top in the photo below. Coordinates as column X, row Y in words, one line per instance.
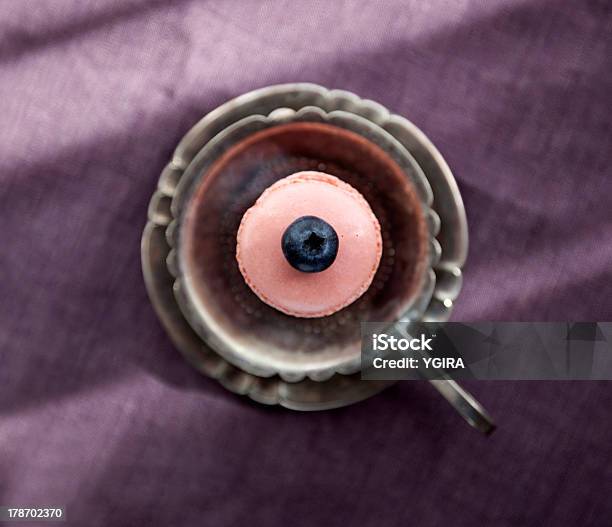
column 310, row 244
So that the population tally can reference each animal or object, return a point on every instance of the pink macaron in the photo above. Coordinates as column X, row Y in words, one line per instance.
column 266, row 267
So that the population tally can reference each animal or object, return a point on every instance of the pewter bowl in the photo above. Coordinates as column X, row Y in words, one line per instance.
column 211, row 199
column 322, row 377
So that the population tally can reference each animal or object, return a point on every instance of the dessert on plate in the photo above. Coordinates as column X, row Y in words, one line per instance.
column 310, row 245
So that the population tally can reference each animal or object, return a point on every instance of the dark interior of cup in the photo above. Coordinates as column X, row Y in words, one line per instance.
column 235, row 181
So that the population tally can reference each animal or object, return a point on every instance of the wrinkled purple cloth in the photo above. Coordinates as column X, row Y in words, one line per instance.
column 99, row 413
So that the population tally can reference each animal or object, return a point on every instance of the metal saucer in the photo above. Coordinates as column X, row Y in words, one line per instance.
column 338, row 389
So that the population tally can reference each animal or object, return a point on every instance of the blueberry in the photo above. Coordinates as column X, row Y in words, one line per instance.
column 310, row 244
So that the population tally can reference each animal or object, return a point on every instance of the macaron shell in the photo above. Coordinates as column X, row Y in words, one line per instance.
column 274, row 280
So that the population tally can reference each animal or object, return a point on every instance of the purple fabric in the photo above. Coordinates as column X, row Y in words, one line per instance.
column 99, row 413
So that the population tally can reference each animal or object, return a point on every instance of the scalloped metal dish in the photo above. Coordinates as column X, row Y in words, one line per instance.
column 306, row 394
column 263, row 363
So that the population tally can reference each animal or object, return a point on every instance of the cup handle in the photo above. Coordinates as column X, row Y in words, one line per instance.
column 465, row 404
column 460, row 399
